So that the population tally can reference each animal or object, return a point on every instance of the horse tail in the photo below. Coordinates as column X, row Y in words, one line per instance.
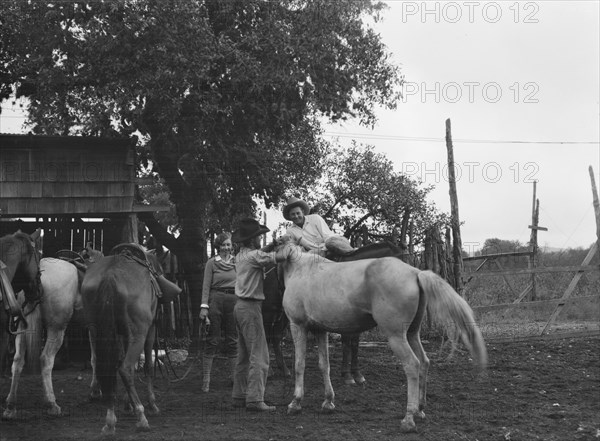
column 33, row 340
column 108, row 349
column 446, row 307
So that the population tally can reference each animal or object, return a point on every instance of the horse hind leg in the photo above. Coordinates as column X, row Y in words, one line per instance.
column 149, row 365
column 126, row 371
column 95, row 392
column 411, row 365
column 327, row 405
column 53, row 343
column 17, row 367
column 414, row 340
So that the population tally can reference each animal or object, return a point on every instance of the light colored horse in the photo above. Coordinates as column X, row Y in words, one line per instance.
column 60, row 285
column 120, row 301
column 323, row 296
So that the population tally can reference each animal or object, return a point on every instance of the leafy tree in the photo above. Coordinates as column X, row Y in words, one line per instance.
column 225, row 96
column 361, row 192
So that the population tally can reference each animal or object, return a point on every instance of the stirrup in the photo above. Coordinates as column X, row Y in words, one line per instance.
column 13, row 324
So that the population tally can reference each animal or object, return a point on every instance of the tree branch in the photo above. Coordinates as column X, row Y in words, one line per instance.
column 160, row 232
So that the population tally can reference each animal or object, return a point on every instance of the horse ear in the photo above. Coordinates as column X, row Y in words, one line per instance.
column 36, row 234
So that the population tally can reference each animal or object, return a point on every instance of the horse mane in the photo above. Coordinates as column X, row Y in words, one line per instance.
column 21, row 237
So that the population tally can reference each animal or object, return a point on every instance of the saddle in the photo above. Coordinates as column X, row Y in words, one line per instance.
column 374, row 250
column 165, row 290
column 9, row 300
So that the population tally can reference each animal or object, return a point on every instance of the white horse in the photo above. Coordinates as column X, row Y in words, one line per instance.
column 323, row 296
column 60, row 284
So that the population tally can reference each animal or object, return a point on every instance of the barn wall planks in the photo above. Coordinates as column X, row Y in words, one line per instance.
column 43, row 175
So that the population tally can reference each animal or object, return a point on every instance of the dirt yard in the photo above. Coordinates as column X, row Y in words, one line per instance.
column 535, row 390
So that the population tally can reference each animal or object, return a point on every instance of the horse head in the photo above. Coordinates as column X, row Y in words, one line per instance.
column 20, row 250
column 90, row 255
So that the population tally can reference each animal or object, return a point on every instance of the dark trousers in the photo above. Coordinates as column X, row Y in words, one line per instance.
column 222, row 324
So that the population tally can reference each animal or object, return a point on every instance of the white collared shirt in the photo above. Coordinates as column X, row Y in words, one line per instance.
column 314, row 230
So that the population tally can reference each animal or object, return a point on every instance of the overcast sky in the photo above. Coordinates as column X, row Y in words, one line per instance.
column 520, row 83
column 525, row 72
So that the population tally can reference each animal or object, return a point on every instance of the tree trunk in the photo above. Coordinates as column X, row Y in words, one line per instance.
column 191, row 200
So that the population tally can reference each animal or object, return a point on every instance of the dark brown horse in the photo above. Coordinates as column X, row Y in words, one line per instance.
column 275, row 321
column 350, row 370
column 20, row 270
column 120, row 298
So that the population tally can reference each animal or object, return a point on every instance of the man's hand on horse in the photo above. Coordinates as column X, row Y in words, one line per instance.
column 286, row 238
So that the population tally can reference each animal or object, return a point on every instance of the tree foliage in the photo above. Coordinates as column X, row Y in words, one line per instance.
column 226, row 97
column 218, row 88
column 361, row 190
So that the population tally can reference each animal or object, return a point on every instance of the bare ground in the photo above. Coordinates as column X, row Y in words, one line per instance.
column 532, row 390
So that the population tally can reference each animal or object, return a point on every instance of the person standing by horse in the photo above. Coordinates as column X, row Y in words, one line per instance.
column 218, row 302
column 311, row 231
column 250, row 378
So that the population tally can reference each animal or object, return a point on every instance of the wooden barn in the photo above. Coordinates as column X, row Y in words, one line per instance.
column 77, row 189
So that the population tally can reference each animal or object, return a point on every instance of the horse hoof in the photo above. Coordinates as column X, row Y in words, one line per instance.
column 95, row 396
column 152, row 409
column 328, row 407
column 349, row 380
column 54, row 410
column 408, row 426
column 9, row 414
column 359, row 379
column 142, row 427
column 294, row 409
column 108, row 431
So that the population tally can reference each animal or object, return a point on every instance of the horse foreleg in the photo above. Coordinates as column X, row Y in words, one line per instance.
column 323, row 345
column 411, row 366
column 17, row 367
column 414, row 340
column 126, row 371
column 350, row 370
column 346, row 357
column 356, row 374
column 299, row 335
column 95, row 392
column 149, row 370
column 53, row 343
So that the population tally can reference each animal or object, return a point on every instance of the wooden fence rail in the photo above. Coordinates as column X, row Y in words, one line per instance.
column 549, row 269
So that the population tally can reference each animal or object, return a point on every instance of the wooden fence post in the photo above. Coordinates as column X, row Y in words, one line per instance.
column 596, row 205
column 591, row 253
column 455, row 221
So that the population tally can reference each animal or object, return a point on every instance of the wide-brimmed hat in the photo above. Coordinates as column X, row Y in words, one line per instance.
column 293, row 203
column 247, row 229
